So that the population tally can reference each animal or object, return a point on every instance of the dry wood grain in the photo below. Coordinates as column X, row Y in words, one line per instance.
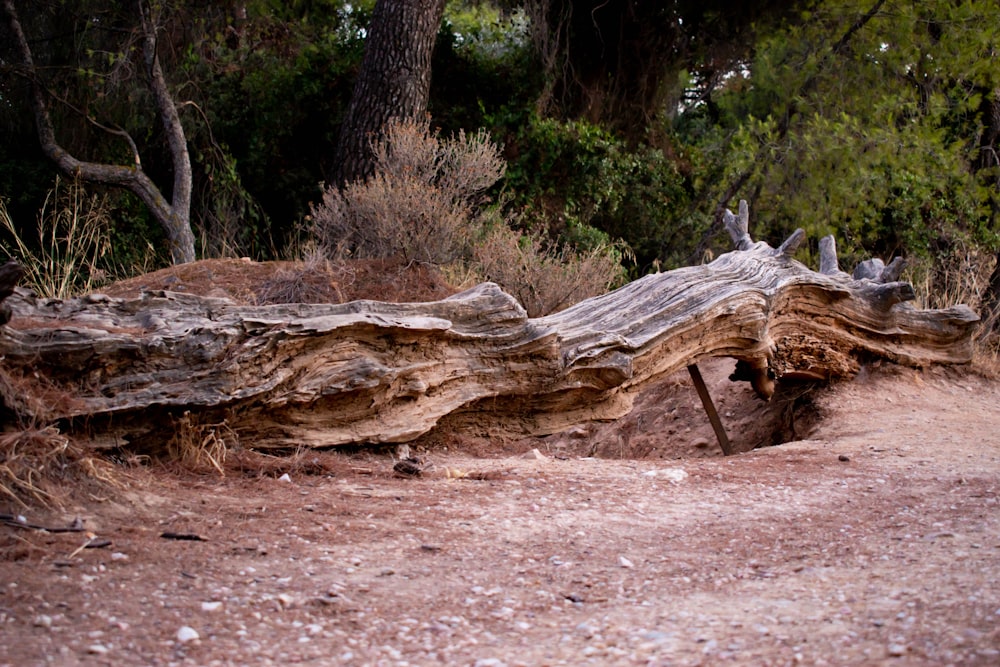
column 320, row 375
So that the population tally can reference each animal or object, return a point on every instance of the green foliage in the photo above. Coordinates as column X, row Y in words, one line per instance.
column 873, row 127
column 867, row 129
column 272, row 91
column 483, row 64
column 587, row 186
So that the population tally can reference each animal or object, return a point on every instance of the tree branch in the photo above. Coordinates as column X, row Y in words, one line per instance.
column 175, row 219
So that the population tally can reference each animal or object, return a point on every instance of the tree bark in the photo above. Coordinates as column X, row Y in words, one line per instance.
column 173, row 216
column 127, row 371
column 394, row 81
column 615, row 62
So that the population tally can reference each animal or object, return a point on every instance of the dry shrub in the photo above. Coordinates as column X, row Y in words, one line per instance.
column 420, row 202
column 963, row 276
column 386, row 217
column 41, row 466
column 425, row 205
column 544, row 278
column 312, row 281
column 201, row 447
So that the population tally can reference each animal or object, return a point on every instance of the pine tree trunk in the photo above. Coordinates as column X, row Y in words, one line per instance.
column 394, row 81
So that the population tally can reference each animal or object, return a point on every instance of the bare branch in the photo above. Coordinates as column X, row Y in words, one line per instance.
column 173, row 217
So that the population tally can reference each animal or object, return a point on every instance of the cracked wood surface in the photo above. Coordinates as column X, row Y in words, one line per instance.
column 318, row 375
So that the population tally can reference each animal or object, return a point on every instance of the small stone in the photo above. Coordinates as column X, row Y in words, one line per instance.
column 897, row 650
column 844, row 458
column 97, row 649
column 625, row 562
column 119, row 556
column 186, row 634
column 43, row 621
column 674, row 475
column 535, row 455
column 285, row 478
column 211, row 606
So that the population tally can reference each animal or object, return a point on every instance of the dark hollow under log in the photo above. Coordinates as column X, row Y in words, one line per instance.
column 124, row 372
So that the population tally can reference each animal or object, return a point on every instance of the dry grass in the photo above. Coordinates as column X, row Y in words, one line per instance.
column 31, row 398
column 41, row 466
column 963, row 276
column 545, row 279
column 201, row 447
column 315, row 280
column 72, row 242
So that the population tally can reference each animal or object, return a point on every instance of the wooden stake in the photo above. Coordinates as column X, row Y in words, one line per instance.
column 713, row 416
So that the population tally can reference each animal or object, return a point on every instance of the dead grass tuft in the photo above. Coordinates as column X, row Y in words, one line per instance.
column 41, row 466
column 201, row 447
column 313, row 281
column 544, row 278
column 72, row 241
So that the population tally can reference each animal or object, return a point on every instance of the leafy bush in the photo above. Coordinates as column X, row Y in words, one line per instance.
column 577, row 177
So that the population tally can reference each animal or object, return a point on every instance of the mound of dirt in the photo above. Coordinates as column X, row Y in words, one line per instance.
column 256, row 283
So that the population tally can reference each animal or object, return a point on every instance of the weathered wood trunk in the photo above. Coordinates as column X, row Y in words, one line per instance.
column 123, row 371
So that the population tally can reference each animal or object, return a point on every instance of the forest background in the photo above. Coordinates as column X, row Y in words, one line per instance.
column 621, row 128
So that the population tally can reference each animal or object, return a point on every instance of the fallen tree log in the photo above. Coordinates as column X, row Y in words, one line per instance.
column 127, row 371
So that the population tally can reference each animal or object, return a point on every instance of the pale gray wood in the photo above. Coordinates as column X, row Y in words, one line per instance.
column 369, row 372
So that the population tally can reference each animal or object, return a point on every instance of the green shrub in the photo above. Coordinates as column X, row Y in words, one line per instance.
column 574, row 177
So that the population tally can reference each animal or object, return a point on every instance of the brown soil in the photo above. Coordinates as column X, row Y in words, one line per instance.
column 872, row 538
column 248, row 282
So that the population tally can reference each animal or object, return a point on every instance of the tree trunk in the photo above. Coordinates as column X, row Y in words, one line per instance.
column 616, row 62
column 136, row 371
column 394, row 80
column 174, row 216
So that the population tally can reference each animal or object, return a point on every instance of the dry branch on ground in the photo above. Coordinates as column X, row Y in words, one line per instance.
column 317, row 375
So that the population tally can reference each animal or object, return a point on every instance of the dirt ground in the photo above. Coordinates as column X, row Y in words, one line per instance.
column 872, row 538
